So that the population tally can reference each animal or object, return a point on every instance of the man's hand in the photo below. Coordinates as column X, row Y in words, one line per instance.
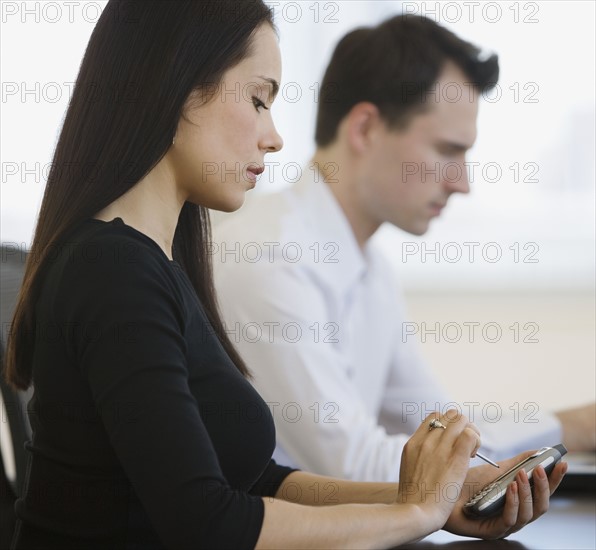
column 579, row 427
column 522, row 506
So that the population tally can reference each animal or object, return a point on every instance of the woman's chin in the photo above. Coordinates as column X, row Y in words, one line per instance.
column 229, row 204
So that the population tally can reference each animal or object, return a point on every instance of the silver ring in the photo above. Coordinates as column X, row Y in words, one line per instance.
column 435, row 423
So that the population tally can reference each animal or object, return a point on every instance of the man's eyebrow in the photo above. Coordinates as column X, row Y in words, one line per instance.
column 459, row 147
column 274, row 86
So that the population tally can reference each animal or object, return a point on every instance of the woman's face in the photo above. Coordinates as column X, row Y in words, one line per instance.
column 220, row 145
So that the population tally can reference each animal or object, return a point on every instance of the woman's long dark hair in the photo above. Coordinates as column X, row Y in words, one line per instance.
column 143, row 60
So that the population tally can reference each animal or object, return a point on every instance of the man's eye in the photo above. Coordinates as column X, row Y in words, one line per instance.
column 258, row 103
column 450, row 153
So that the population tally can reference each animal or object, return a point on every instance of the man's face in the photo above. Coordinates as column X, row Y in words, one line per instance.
column 411, row 173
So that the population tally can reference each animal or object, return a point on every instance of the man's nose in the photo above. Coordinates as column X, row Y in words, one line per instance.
column 455, row 180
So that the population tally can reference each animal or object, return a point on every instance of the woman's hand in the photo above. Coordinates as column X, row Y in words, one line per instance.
column 522, row 505
column 434, row 465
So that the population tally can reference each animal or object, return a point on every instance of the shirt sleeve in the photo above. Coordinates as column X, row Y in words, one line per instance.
column 413, row 392
column 271, row 479
column 514, row 432
column 131, row 351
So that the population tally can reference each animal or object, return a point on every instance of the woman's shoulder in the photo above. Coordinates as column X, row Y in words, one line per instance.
column 94, row 239
column 114, row 252
column 100, row 265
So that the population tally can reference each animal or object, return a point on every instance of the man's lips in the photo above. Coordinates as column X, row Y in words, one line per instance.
column 436, row 207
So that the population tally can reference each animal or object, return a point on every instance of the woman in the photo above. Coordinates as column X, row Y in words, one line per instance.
column 146, row 432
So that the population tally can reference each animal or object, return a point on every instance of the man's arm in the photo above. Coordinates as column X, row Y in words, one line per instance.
column 412, row 391
column 579, row 427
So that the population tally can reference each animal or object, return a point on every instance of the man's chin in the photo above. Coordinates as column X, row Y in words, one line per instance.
column 419, row 229
column 415, row 227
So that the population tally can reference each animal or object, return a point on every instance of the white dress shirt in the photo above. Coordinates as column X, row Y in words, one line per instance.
column 319, row 323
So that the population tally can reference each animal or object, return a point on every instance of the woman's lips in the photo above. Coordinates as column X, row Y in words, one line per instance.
column 253, row 173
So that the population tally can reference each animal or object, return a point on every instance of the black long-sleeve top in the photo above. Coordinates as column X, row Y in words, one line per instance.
column 145, row 435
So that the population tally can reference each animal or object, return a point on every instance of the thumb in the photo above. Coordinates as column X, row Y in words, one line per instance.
column 509, row 463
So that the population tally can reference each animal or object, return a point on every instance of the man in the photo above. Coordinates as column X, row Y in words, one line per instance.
column 309, row 301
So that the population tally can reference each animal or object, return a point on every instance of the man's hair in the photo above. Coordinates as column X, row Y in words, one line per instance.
column 394, row 66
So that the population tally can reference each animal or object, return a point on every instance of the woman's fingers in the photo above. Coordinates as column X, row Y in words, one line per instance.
column 460, row 432
column 511, row 508
column 525, row 504
column 468, row 441
column 525, row 512
column 509, row 463
column 445, row 436
column 541, row 493
column 436, row 456
column 556, row 476
column 517, row 511
column 472, row 427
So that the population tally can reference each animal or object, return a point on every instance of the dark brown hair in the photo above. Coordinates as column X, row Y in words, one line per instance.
column 143, row 60
column 394, row 66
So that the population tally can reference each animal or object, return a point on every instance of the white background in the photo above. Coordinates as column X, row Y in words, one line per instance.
column 543, row 121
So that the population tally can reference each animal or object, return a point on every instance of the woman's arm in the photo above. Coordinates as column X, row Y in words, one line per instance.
column 431, row 462
column 417, row 508
column 287, row 525
column 315, row 490
column 390, row 522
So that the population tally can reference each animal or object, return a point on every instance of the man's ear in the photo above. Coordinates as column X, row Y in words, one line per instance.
column 361, row 125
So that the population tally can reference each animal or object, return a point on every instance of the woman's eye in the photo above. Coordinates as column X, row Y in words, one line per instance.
column 258, row 103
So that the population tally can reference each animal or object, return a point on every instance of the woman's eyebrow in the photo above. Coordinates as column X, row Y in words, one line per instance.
column 274, row 85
